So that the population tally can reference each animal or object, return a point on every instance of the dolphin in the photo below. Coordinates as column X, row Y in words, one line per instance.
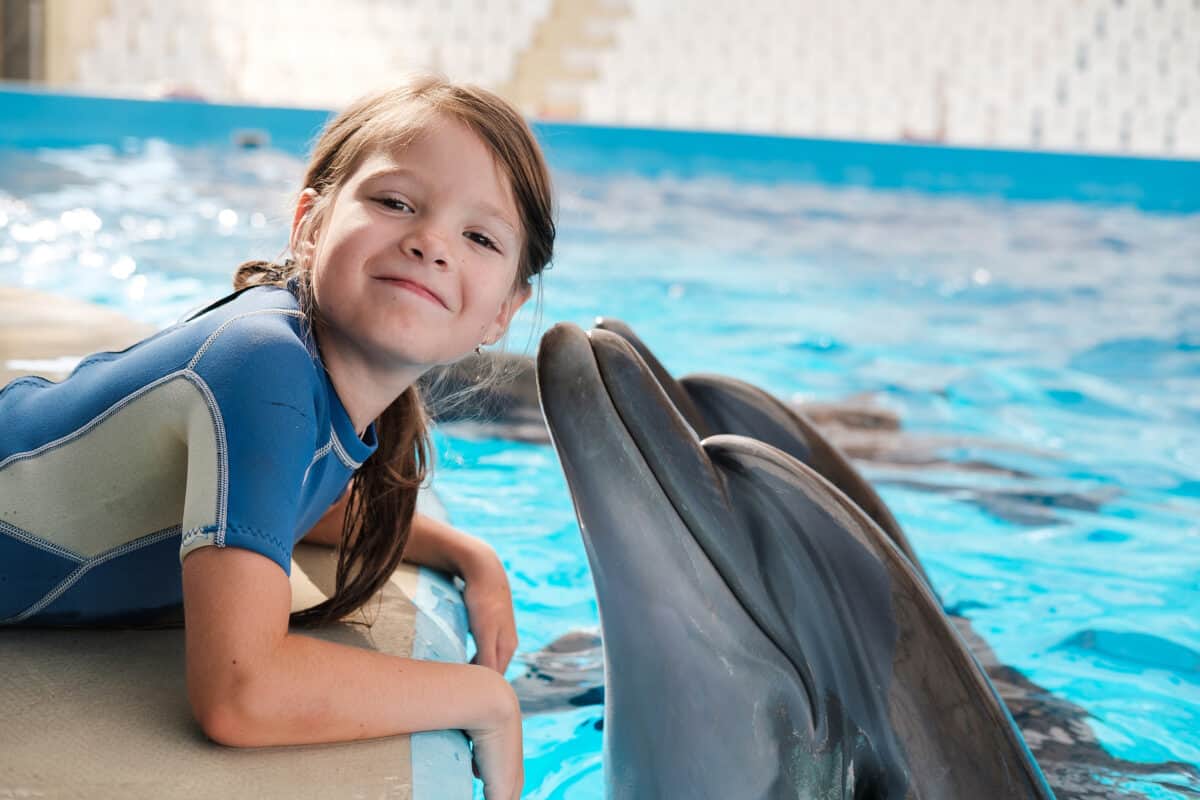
column 569, row 673
column 764, row 638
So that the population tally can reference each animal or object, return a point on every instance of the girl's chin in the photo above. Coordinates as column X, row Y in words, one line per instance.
column 423, row 358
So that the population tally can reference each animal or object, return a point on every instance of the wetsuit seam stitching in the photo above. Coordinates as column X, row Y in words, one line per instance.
column 94, row 422
column 212, row 337
column 82, row 569
column 24, row 536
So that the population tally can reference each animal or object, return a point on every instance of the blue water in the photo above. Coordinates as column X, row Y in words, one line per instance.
column 1058, row 341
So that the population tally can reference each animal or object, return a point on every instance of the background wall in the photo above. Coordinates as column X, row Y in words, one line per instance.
column 1103, row 76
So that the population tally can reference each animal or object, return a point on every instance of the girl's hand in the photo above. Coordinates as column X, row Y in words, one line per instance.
column 499, row 760
column 489, row 608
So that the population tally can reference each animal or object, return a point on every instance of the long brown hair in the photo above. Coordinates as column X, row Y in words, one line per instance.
column 384, row 490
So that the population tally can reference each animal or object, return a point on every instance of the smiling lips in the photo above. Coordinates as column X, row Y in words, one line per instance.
column 416, row 288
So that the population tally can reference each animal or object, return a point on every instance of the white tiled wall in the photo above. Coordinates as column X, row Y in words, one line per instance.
column 1087, row 75
column 301, row 52
column 1090, row 75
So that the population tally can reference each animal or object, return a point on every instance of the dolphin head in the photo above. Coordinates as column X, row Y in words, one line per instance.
column 714, row 404
column 759, row 629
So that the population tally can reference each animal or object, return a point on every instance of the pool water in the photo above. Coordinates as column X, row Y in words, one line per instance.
column 1057, row 343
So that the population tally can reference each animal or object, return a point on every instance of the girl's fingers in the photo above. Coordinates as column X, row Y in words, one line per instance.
column 505, row 653
column 495, row 649
column 498, row 654
column 485, row 650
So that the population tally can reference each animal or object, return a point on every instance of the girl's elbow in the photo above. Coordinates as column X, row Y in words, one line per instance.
column 234, row 718
column 223, row 724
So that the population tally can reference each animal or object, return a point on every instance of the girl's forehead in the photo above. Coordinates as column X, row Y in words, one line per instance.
column 446, row 160
column 443, row 155
column 437, row 137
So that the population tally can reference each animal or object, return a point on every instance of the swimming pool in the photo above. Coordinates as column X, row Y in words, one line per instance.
column 1046, row 351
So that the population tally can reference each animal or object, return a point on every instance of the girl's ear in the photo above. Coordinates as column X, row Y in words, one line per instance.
column 304, row 234
column 508, row 309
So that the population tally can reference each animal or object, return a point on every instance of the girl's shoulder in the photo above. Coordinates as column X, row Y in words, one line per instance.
column 271, row 307
column 250, row 327
column 257, row 344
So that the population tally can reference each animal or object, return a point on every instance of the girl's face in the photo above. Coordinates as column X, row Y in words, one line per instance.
column 415, row 261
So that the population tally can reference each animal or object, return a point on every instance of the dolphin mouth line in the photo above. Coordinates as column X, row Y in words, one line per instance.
column 637, row 443
column 598, row 374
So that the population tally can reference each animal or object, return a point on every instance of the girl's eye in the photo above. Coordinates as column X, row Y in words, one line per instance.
column 395, row 204
column 479, row 238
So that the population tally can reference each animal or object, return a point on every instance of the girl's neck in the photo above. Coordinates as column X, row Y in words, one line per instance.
column 365, row 387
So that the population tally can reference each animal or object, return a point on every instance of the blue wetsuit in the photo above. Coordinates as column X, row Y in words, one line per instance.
column 223, row 430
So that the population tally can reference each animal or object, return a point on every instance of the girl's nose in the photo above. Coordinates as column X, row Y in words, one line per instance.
column 426, row 246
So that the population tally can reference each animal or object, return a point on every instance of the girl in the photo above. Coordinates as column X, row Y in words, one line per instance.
column 218, row 443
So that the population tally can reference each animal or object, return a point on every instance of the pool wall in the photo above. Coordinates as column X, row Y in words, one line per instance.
column 32, row 119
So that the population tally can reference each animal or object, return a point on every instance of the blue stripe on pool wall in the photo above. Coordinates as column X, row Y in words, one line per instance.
column 31, row 118
column 441, row 760
column 1152, row 184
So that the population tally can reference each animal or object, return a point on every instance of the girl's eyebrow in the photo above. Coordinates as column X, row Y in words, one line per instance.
column 483, row 207
column 387, row 172
column 489, row 210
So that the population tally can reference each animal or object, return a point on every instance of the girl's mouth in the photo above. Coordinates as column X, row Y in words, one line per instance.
column 416, row 288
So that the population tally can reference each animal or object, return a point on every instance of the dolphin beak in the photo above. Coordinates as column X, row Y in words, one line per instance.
column 636, row 470
column 567, row 376
column 600, row 374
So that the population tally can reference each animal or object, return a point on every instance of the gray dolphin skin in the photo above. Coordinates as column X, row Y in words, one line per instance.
column 764, row 638
column 719, row 404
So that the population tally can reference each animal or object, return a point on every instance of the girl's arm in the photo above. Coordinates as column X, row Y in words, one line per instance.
column 434, row 544
column 439, row 546
column 252, row 683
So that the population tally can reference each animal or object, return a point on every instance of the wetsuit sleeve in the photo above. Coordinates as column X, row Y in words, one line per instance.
column 250, row 447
